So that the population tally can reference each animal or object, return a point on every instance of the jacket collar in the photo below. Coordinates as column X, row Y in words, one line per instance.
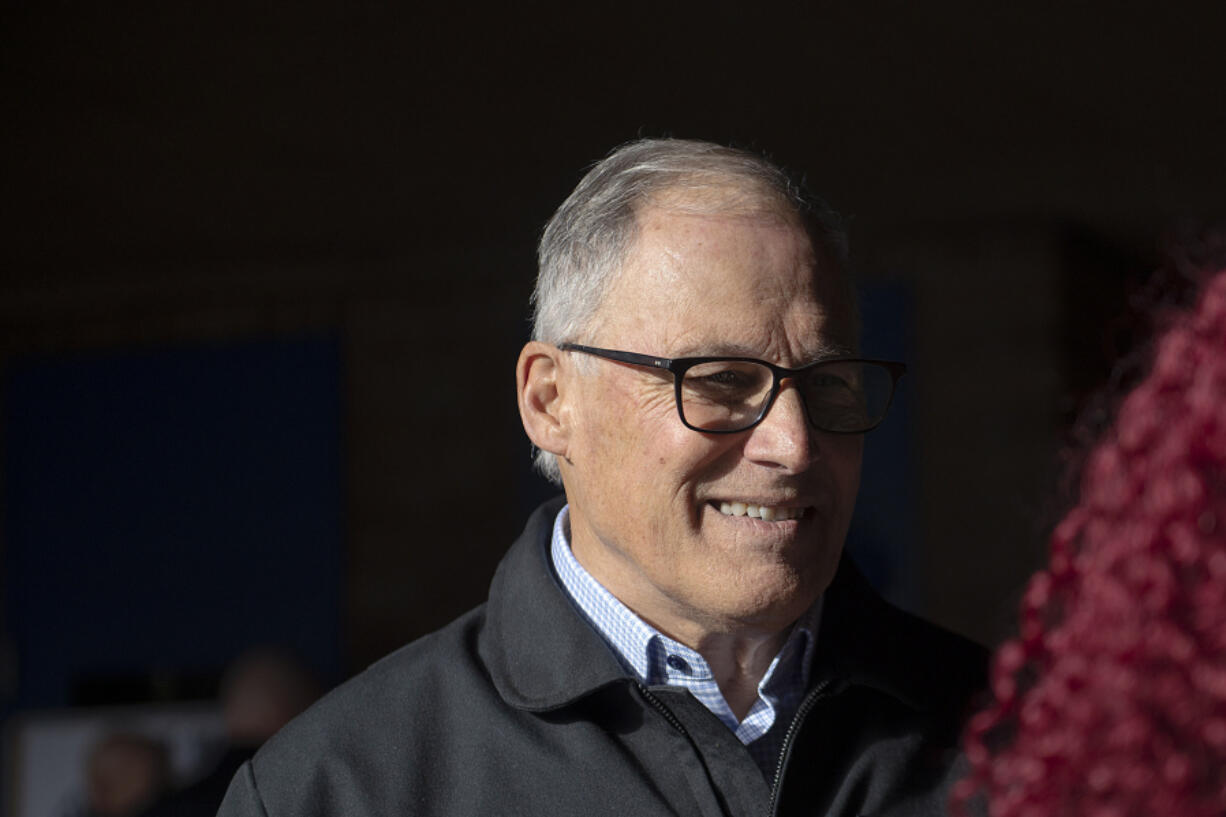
column 542, row 654
column 866, row 641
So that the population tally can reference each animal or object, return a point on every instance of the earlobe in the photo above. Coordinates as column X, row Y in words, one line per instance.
column 539, row 391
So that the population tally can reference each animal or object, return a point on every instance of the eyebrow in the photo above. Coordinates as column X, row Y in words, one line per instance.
column 824, row 350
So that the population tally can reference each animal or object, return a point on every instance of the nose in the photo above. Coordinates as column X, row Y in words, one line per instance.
column 784, row 440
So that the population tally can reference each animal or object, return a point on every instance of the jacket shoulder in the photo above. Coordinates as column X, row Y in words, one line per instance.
column 356, row 750
column 920, row 663
column 943, row 667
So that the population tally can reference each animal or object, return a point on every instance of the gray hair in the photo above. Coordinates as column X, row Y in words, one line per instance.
column 587, row 239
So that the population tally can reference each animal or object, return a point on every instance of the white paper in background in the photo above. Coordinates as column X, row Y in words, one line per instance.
column 45, row 752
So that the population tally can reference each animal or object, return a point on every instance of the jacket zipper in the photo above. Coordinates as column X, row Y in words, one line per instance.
column 662, row 709
column 789, row 737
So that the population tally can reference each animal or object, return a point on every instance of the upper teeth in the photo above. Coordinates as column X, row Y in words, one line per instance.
column 767, row 512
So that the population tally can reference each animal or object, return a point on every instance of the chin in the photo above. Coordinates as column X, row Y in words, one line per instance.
column 774, row 602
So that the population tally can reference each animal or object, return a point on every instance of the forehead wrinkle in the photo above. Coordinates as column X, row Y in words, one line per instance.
column 676, row 291
column 686, row 213
column 689, row 283
column 775, row 344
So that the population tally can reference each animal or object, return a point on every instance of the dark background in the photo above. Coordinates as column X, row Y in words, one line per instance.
column 264, row 273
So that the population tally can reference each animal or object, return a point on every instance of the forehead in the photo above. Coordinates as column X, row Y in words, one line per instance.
column 725, row 283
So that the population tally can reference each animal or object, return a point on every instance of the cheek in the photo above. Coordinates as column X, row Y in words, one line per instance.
column 641, row 451
column 626, row 434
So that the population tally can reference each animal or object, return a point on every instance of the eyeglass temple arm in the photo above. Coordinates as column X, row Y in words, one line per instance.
column 621, row 357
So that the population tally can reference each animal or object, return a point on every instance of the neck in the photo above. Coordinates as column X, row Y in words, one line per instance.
column 738, row 663
column 738, row 658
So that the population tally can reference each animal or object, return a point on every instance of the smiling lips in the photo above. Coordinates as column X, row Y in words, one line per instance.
column 768, row 513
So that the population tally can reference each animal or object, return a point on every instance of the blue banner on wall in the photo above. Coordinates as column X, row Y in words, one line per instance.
column 169, row 508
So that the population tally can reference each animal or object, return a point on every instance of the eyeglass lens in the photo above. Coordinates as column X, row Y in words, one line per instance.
column 730, row 395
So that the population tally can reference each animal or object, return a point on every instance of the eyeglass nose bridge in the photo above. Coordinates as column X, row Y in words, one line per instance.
column 778, row 376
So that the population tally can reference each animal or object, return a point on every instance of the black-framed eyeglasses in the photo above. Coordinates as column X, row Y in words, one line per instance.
column 724, row 395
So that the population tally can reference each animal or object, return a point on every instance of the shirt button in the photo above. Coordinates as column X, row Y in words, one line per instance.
column 678, row 663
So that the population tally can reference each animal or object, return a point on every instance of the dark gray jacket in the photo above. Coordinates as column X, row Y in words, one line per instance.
column 519, row 708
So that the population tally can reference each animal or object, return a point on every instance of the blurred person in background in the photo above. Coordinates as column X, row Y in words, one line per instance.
column 1111, row 702
column 260, row 692
column 126, row 773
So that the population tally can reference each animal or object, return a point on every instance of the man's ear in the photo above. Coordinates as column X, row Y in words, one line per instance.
column 539, row 390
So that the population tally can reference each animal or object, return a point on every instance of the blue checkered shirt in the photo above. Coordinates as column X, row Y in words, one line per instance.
column 654, row 658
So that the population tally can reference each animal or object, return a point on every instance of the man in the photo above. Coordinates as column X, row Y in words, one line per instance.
column 261, row 691
column 682, row 636
column 125, row 773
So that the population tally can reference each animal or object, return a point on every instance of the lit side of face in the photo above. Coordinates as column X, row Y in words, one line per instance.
column 646, row 492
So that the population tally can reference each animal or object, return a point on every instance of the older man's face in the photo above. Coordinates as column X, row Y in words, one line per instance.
column 646, row 492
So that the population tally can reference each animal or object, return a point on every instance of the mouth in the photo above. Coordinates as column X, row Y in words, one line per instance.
column 767, row 513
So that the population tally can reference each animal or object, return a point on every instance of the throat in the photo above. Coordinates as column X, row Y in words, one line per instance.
column 739, row 664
